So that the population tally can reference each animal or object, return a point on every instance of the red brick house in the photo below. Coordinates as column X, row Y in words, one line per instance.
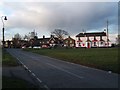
column 69, row 42
column 48, row 42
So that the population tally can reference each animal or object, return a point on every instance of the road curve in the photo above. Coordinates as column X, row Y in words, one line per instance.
column 60, row 74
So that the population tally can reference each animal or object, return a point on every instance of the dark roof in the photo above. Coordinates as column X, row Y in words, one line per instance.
column 91, row 34
column 102, row 40
column 80, row 40
column 69, row 38
column 46, row 39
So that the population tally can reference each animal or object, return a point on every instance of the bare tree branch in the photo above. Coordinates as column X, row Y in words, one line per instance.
column 60, row 33
column 17, row 36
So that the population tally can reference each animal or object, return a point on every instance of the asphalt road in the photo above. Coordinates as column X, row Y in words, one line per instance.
column 60, row 74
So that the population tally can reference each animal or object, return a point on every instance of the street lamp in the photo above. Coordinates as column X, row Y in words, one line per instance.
column 3, row 18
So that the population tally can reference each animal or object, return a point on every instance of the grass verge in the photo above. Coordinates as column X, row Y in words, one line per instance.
column 101, row 58
column 8, row 60
column 13, row 82
column 9, row 82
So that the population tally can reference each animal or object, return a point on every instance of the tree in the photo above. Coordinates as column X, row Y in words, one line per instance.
column 26, row 37
column 17, row 36
column 17, row 40
column 118, row 40
column 60, row 34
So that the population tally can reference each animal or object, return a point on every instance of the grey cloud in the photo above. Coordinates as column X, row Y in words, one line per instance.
column 71, row 16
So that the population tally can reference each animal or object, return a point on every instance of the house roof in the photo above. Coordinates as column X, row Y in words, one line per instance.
column 43, row 39
column 80, row 40
column 91, row 34
column 69, row 38
column 102, row 40
column 46, row 39
column 95, row 40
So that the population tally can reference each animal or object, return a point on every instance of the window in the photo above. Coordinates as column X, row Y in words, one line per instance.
column 11, row 42
column 6, row 43
column 79, row 44
column 101, row 43
column 18, row 41
column 70, row 41
column 52, row 41
column 94, row 43
column 71, row 45
column 83, row 44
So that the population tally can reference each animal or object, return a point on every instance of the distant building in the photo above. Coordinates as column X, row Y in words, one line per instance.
column 87, row 40
column 118, row 40
column 16, row 43
column 31, row 35
column 45, row 42
column 69, row 42
column 52, row 42
column 93, row 39
column 8, row 44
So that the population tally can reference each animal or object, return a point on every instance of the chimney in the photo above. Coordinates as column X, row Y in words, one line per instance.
column 52, row 36
column 43, row 36
column 104, row 30
column 83, row 31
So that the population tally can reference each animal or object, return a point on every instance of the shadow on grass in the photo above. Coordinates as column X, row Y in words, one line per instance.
column 16, row 83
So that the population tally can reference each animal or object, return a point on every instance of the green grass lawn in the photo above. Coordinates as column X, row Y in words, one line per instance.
column 8, row 60
column 102, row 58
column 9, row 82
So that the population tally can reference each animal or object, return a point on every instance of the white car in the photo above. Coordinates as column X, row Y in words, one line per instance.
column 36, row 47
column 30, row 47
column 23, row 46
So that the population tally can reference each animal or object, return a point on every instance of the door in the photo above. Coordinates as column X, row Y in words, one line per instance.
column 88, row 45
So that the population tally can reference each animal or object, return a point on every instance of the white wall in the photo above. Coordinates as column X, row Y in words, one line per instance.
column 84, row 39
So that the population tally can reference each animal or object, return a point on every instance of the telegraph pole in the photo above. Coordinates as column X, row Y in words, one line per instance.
column 107, row 33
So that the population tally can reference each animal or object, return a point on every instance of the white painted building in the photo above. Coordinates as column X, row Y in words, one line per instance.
column 93, row 39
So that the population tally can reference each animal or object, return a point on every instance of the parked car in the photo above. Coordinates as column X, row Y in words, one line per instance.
column 23, row 46
column 36, row 47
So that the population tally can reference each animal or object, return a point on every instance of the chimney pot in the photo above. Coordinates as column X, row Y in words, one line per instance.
column 43, row 36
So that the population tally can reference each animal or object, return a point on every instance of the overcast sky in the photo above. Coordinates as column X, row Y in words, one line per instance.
column 44, row 17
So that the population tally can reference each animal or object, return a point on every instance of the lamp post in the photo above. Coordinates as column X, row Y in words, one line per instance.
column 3, row 18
